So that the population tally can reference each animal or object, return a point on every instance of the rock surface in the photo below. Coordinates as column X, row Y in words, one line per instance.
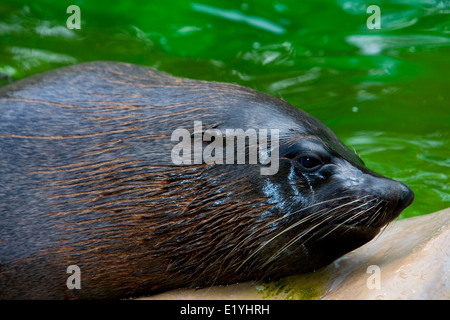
column 408, row 260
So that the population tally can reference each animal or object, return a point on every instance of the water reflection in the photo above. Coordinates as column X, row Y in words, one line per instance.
column 46, row 29
column 30, row 58
column 375, row 44
column 235, row 15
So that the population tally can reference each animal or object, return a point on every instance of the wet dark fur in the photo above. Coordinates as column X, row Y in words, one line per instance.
column 86, row 179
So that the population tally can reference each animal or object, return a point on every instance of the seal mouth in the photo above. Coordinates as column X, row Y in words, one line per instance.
column 356, row 228
column 350, row 231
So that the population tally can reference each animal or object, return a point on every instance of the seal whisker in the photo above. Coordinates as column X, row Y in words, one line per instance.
column 281, row 218
column 357, row 215
column 271, row 239
column 348, row 220
column 377, row 213
column 292, row 241
column 310, row 217
column 299, row 236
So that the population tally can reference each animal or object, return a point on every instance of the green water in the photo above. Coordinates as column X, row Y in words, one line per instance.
column 384, row 92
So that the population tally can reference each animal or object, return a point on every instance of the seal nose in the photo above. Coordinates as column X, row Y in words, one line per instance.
column 397, row 195
column 405, row 197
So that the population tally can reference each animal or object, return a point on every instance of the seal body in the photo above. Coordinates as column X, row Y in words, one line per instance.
column 87, row 180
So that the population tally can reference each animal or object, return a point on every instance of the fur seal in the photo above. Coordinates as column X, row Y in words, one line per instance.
column 87, row 180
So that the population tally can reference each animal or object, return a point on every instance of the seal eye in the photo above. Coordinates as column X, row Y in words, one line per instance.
column 310, row 163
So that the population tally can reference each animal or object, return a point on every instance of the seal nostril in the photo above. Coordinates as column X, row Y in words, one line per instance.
column 406, row 197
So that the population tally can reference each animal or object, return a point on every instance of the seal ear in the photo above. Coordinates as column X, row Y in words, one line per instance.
column 202, row 130
column 209, row 135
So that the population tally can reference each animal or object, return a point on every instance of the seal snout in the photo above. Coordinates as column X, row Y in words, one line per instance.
column 405, row 197
column 398, row 196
